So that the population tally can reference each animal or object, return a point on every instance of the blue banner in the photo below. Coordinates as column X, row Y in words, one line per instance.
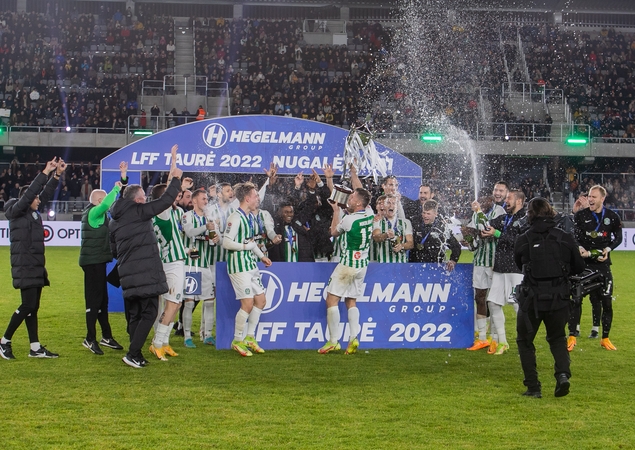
column 403, row 306
column 249, row 144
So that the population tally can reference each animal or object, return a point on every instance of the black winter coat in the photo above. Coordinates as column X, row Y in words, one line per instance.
column 139, row 264
column 305, row 249
column 27, row 234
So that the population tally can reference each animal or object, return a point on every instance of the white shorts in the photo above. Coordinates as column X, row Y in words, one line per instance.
column 503, row 285
column 208, row 278
column 347, row 282
column 482, row 277
column 247, row 284
column 175, row 276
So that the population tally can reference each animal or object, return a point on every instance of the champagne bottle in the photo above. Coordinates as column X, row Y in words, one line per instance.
column 482, row 222
column 595, row 253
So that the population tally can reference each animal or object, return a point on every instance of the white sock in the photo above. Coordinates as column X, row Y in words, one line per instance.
column 596, row 329
column 498, row 319
column 35, row 346
column 188, row 309
column 239, row 324
column 353, row 322
column 254, row 318
column 515, row 307
column 481, row 327
column 333, row 323
column 159, row 312
column 208, row 317
column 166, row 338
column 159, row 335
column 4, row 340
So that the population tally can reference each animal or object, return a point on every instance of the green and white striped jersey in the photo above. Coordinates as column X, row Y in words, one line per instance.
column 484, row 249
column 196, row 238
column 221, row 217
column 383, row 251
column 356, row 230
column 167, row 227
column 290, row 239
column 240, row 228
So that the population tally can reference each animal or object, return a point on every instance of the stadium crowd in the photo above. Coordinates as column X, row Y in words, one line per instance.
column 593, row 68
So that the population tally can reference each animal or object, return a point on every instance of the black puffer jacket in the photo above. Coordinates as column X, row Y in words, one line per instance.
column 27, row 234
column 136, row 249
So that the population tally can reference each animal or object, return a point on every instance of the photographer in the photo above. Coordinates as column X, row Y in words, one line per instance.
column 547, row 256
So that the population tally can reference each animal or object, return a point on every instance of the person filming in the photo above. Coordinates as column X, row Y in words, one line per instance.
column 547, row 257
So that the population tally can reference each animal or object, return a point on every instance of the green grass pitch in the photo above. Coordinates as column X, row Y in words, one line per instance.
column 383, row 399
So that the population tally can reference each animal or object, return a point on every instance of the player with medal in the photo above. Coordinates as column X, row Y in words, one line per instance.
column 598, row 230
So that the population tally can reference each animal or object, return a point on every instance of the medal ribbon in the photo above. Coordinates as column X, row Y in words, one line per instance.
column 508, row 219
column 250, row 219
column 599, row 219
column 289, row 231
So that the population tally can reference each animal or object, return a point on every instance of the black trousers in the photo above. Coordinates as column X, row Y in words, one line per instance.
column 555, row 322
column 601, row 303
column 96, row 297
column 141, row 314
column 27, row 313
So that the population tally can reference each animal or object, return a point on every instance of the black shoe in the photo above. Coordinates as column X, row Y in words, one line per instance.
column 93, row 346
column 593, row 335
column 562, row 385
column 533, row 393
column 576, row 334
column 6, row 351
column 179, row 332
column 111, row 343
column 144, row 362
column 133, row 362
column 42, row 352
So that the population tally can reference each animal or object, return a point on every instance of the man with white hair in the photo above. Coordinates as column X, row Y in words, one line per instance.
column 94, row 254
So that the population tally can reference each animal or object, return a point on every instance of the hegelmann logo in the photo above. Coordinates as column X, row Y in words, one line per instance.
column 274, row 290
column 215, row 135
column 191, row 285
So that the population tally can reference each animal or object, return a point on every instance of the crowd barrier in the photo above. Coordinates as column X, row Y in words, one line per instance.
column 67, row 234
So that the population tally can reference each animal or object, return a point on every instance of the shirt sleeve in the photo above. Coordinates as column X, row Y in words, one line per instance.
column 97, row 215
column 407, row 227
column 189, row 228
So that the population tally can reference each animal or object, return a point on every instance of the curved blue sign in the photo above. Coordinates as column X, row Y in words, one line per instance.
column 249, row 144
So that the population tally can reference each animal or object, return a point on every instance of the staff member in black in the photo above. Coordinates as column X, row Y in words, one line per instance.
column 431, row 239
column 94, row 255
column 139, row 264
column 598, row 229
column 547, row 256
column 296, row 243
column 27, row 256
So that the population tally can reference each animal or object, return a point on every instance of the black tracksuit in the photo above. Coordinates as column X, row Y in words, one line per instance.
column 598, row 231
column 430, row 241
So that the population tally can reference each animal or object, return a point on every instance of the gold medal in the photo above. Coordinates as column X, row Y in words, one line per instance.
column 594, row 234
column 419, row 247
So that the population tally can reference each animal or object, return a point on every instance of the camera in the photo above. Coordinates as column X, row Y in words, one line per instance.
column 584, row 283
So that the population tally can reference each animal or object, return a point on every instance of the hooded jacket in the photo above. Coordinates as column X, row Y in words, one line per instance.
column 27, row 234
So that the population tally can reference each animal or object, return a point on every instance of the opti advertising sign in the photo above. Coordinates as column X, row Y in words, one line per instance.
column 56, row 234
column 403, row 306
